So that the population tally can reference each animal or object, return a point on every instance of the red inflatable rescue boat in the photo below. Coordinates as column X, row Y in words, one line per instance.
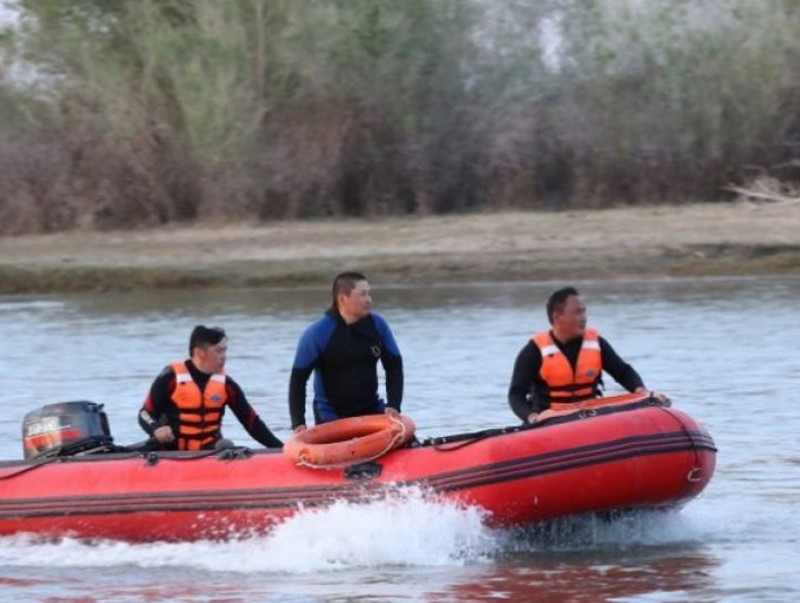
column 631, row 452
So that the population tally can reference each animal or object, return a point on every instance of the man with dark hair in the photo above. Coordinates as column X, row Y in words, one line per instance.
column 184, row 408
column 342, row 349
column 564, row 366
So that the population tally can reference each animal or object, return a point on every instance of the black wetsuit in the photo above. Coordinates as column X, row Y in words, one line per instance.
column 528, row 391
column 344, row 361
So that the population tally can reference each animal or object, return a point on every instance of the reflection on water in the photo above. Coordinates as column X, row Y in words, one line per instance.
column 593, row 558
column 590, row 577
column 725, row 350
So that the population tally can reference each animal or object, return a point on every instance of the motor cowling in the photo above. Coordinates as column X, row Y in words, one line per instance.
column 64, row 429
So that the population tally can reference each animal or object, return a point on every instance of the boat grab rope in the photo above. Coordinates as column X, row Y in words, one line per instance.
column 44, row 461
column 396, row 440
column 150, row 458
column 465, row 439
column 225, row 454
column 30, row 468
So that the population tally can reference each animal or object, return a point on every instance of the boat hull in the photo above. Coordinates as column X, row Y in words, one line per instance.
column 649, row 457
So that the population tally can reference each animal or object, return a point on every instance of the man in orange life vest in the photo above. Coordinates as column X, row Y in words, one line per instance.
column 563, row 366
column 184, row 408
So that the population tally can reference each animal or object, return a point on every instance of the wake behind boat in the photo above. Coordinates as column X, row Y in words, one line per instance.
column 629, row 453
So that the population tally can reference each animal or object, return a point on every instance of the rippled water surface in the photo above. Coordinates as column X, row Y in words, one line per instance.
column 725, row 350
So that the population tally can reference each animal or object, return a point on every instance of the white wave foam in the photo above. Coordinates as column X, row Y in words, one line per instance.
column 407, row 528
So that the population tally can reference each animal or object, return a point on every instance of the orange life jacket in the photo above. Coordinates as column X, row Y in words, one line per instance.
column 199, row 413
column 566, row 387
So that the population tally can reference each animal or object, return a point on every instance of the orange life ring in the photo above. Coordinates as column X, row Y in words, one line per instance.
column 348, row 441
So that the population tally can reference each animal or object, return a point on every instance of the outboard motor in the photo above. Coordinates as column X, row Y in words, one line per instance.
column 64, row 429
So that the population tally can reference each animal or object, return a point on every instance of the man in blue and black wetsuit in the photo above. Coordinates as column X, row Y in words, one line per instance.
column 342, row 349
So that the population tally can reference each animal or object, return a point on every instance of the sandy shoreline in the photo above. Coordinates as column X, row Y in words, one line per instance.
column 703, row 239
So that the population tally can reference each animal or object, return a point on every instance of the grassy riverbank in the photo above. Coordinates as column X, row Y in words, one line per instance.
column 692, row 240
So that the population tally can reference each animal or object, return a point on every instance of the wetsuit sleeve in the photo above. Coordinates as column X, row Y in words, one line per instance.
column 305, row 359
column 622, row 372
column 392, row 362
column 524, row 377
column 248, row 417
column 153, row 413
column 297, row 395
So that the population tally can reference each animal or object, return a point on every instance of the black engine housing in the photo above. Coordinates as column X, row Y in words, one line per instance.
column 64, row 429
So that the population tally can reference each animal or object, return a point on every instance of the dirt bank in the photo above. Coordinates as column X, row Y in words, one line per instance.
column 703, row 239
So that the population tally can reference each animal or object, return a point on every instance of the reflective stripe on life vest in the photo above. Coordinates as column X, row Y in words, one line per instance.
column 565, row 387
column 199, row 413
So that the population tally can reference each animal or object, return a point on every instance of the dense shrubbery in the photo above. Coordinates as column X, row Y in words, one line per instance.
column 144, row 112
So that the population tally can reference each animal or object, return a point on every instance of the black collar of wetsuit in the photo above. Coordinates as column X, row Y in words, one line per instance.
column 571, row 349
column 198, row 376
column 361, row 325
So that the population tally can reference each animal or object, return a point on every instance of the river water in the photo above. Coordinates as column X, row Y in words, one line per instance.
column 725, row 350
